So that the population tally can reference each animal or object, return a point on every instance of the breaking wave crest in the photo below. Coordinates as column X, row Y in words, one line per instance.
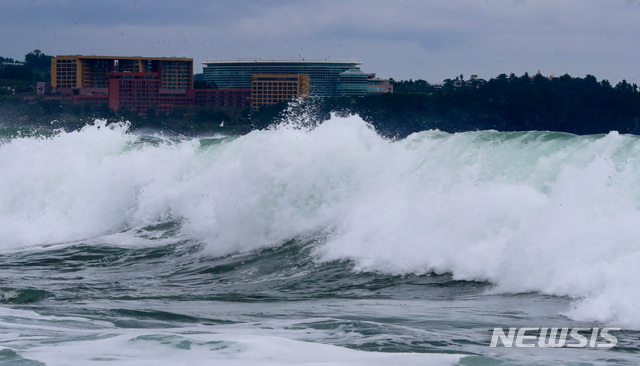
column 526, row 211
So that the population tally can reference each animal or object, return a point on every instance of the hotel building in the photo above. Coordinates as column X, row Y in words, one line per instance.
column 267, row 89
column 93, row 71
column 137, row 83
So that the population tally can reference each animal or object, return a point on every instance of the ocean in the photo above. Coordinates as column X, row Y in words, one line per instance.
column 316, row 245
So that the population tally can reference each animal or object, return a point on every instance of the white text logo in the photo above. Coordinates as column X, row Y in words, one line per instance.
column 554, row 337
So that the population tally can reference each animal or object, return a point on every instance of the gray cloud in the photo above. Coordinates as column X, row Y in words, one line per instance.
column 432, row 40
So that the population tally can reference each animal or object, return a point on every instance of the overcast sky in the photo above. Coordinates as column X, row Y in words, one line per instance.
column 420, row 39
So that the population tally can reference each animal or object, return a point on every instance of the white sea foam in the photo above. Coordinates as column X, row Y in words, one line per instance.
column 142, row 348
column 65, row 341
column 531, row 211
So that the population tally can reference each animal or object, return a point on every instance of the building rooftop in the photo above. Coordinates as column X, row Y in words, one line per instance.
column 124, row 57
column 280, row 60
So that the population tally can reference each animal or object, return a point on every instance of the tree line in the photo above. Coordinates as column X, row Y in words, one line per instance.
column 505, row 103
column 21, row 77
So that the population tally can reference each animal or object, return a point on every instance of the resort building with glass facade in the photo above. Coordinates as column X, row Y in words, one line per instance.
column 327, row 78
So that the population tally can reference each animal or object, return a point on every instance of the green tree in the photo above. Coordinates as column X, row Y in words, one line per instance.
column 38, row 60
